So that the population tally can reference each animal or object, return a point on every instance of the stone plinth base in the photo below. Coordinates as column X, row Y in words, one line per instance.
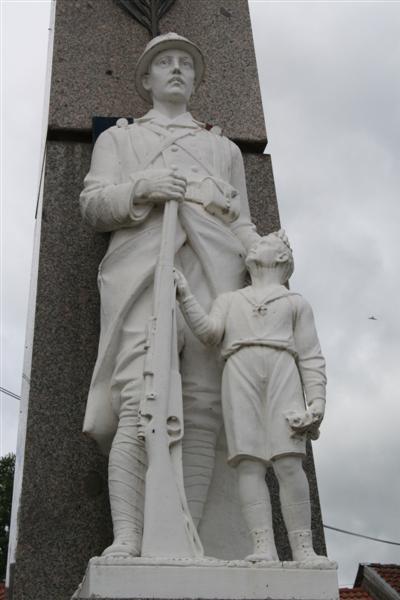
column 115, row 579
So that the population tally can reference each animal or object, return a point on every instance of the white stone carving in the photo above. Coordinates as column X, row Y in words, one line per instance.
column 165, row 159
column 173, row 196
column 268, row 339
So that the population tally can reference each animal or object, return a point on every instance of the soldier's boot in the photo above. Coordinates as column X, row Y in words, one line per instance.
column 263, row 546
column 126, row 477
column 302, row 548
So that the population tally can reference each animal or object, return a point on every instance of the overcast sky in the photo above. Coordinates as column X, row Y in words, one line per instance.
column 329, row 75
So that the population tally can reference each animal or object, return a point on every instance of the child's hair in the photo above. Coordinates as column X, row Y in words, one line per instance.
column 287, row 272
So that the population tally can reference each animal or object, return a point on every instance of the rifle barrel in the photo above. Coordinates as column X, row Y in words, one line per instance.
column 169, row 530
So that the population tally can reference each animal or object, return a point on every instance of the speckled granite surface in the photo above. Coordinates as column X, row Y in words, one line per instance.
column 97, row 45
column 64, row 512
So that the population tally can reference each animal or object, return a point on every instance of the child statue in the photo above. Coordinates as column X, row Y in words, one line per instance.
column 272, row 359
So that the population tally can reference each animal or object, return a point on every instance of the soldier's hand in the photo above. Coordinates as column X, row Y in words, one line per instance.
column 182, row 286
column 161, row 185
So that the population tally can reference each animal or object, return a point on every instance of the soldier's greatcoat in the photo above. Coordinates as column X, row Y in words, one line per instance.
column 216, row 193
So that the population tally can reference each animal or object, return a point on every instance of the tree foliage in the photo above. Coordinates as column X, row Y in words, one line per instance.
column 7, row 464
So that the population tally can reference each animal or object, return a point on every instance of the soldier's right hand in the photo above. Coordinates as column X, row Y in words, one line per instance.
column 160, row 185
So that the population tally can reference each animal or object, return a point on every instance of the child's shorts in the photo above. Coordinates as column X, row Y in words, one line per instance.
column 259, row 386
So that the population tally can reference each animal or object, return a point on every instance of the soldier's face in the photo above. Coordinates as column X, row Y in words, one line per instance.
column 171, row 77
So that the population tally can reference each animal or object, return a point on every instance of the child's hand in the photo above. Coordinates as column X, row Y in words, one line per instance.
column 317, row 410
column 303, row 423
column 182, row 286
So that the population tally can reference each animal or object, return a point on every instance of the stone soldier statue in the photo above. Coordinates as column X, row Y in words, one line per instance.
column 135, row 169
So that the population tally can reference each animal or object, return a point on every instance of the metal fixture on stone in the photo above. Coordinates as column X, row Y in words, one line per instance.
column 147, row 12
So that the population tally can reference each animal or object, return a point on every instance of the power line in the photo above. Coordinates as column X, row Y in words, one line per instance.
column 361, row 535
column 4, row 391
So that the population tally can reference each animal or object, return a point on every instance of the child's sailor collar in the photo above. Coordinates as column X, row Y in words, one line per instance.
column 260, row 307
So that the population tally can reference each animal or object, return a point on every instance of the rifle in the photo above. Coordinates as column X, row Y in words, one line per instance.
column 168, row 530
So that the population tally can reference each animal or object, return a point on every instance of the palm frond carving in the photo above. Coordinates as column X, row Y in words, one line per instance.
column 147, row 12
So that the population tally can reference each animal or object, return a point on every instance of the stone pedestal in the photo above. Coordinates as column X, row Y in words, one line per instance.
column 209, row 580
column 61, row 512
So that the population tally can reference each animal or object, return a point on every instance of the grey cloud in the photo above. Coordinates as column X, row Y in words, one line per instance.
column 25, row 50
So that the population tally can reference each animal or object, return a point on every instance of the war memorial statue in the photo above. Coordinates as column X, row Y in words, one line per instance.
column 157, row 500
column 172, row 191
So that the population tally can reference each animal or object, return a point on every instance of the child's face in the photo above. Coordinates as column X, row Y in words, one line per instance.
column 264, row 252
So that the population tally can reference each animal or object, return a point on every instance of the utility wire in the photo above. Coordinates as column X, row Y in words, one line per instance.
column 4, row 391
column 367, row 537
